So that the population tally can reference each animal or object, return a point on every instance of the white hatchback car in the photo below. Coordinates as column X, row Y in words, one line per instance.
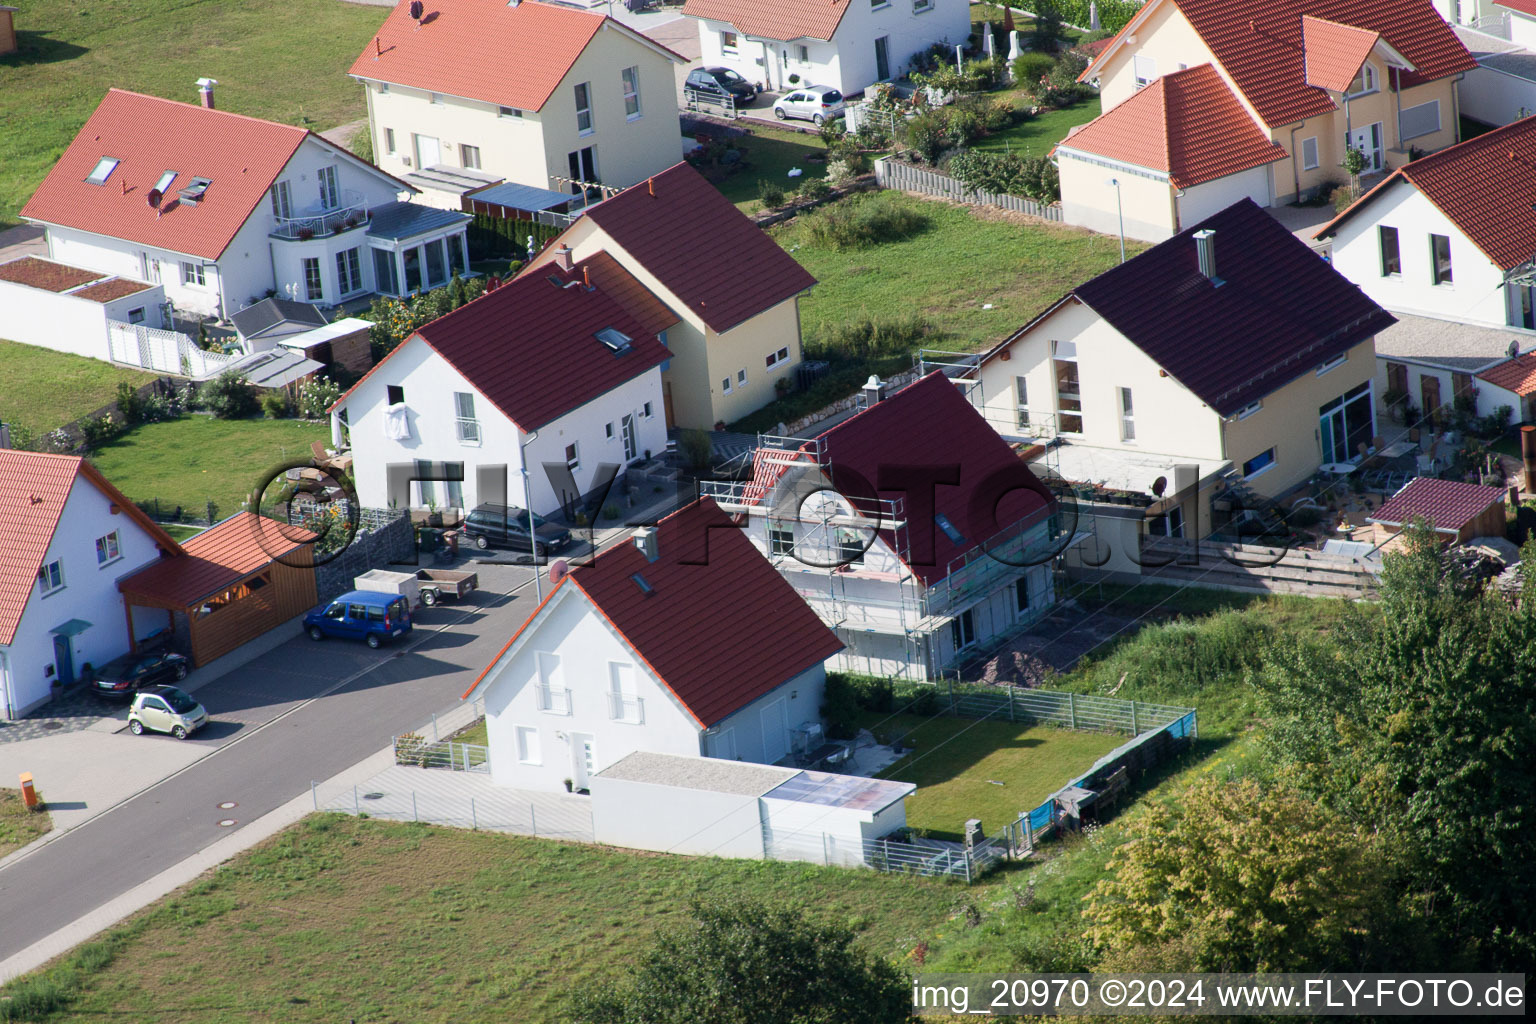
column 166, row 709
column 816, row 103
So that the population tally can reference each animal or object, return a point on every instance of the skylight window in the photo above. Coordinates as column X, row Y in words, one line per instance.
column 617, row 341
column 104, row 168
column 193, row 192
column 642, row 583
column 165, row 181
column 954, row 535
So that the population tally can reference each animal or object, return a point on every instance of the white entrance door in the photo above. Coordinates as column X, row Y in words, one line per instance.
column 631, row 449
column 1369, row 140
column 775, row 731
column 583, row 760
column 428, row 151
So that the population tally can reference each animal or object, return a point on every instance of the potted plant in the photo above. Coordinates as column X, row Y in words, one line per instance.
column 305, row 234
column 351, row 220
column 568, row 785
column 434, row 514
column 338, row 228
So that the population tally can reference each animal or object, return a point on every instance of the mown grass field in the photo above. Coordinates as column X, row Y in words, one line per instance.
column 340, row 919
column 285, row 60
column 992, row 770
column 771, row 153
column 42, row 390
column 197, row 459
column 19, row 825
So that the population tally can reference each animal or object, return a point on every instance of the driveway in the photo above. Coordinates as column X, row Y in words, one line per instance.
column 301, row 712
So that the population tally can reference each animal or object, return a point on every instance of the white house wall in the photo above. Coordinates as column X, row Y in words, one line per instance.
column 129, row 259
column 64, row 323
column 586, row 646
column 89, row 593
column 1202, row 201
column 763, row 731
column 1494, row 97
column 586, row 427
column 674, row 819
column 1476, row 293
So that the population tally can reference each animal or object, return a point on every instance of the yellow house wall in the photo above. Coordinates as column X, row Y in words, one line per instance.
column 1288, row 422
column 1168, row 38
column 1088, row 200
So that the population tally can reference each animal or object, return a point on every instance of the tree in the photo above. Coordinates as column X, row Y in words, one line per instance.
column 1238, row 879
column 1048, row 25
column 1419, row 723
column 1354, row 163
column 744, row 963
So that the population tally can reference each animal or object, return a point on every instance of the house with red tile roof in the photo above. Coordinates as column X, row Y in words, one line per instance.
column 1312, row 78
column 223, row 210
column 1213, row 371
column 682, row 641
column 912, row 528
column 70, row 536
column 1457, row 511
column 1450, row 235
column 733, row 289
column 476, row 92
column 555, row 373
column 847, row 44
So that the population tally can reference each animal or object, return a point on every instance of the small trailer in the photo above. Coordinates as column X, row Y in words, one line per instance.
column 436, row 584
column 403, row 583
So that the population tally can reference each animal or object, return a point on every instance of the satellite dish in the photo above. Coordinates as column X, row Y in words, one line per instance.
column 1514, row 349
column 1159, row 486
column 557, row 570
column 154, row 197
column 417, row 9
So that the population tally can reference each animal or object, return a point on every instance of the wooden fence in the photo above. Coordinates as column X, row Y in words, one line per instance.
column 894, row 174
column 1223, row 565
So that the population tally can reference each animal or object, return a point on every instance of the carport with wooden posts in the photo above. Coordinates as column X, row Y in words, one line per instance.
column 234, row 582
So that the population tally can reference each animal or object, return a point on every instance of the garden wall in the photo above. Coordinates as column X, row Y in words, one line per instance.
column 385, row 539
column 894, row 174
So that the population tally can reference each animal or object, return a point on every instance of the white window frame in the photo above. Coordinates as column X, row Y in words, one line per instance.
column 1274, row 461
column 741, row 378
column 193, row 275
column 573, row 456
column 165, row 181
column 465, row 420
column 465, row 150
column 920, row 6
column 1144, row 69
column 1434, row 263
column 1127, row 415
column 314, row 288
column 629, row 79
column 1021, row 401
column 508, row 112
column 608, row 433
column 1369, row 81
column 50, row 578
column 1403, row 118
column 725, row 385
column 583, row 108
column 349, row 271
column 103, row 170
column 1309, row 163
column 389, row 141
column 781, row 538
column 1381, row 249
column 1334, row 363
column 647, row 411
column 730, row 42
column 109, row 548
column 436, row 99
column 803, row 52
column 1249, row 410
column 329, row 180
column 775, row 358
column 528, row 746
column 957, row 631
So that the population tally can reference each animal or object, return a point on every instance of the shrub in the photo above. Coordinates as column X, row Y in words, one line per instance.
column 316, row 396
column 840, row 707
column 361, row 143
column 1007, row 173
column 840, row 171
column 99, row 430
column 1342, row 198
column 965, row 126
column 228, row 397
column 771, row 193
column 697, row 448
column 872, row 220
column 129, row 403
column 276, row 404
column 866, row 337
column 814, row 189
column 999, row 115
column 833, row 132
column 1031, row 67
column 927, row 136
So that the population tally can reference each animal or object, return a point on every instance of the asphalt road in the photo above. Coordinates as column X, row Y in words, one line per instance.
column 304, row 711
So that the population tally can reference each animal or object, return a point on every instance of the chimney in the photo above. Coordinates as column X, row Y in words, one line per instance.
column 1205, row 248
column 873, row 391
column 563, row 257
column 205, row 91
column 645, row 541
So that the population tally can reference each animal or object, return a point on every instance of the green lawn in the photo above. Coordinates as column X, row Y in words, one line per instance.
column 1036, row 136
column 770, row 153
column 339, row 919
column 42, row 390
column 179, row 532
column 956, row 764
column 475, row 733
column 18, row 825
column 285, row 60
column 197, row 459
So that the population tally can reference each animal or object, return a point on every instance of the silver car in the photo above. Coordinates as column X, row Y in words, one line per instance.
column 166, row 709
column 816, row 103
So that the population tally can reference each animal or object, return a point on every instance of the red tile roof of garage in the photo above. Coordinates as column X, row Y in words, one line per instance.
column 33, row 490
column 503, row 342
column 1486, row 186
column 1278, row 314
column 785, row 20
column 1260, row 46
column 219, row 557
column 513, row 55
column 706, row 252
column 1187, row 123
column 1523, row 6
column 1450, row 505
column 1517, row 375
column 719, row 626
column 930, row 424
column 242, row 156
column 1332, row 53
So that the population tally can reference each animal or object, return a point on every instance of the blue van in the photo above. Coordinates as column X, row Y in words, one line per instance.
column 367, row 615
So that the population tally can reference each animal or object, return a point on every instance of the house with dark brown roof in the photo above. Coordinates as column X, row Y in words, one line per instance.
column 557, row 372
column 684, row 641
column 912, row 528
column 847, row 44
column 70, row 536
column 1454, row 509
column 1212, row 371
column 732, row 290
column 1290, row 87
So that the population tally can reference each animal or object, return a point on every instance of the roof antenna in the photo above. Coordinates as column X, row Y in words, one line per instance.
column 417, row 10
column 378, row 48
column 650, row 183
column 586, row 277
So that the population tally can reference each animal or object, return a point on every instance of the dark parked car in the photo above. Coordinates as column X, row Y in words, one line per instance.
column 506, row 526
column 371, row 616
column 123, row 677
column 721, row 82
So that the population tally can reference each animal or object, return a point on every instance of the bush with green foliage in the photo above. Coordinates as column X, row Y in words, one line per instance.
column 697, row 448
column 1007, row 174
column 814, row 189
column 863, row 221
column 866, row 337
column 276, row 404
column 228, row 397
column 840, row 707
column 361, row 143
column 1030, row 67
column 927, row 135
column 747, row 963
column 316, row 396
column 771, row 193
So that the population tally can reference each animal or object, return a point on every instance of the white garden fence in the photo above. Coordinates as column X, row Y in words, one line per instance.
column 165, row 351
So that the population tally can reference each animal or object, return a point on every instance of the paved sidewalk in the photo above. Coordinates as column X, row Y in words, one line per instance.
column 463, row 800
column 22, row 240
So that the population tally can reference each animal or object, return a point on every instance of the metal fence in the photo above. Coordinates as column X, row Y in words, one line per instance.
column 896, row 175
column 419, row 752
column 1025, row 704
column 710, row 103
column 491, row 809
column 898, row 853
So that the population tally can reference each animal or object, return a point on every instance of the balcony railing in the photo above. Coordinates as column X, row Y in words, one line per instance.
column 554, row 701
column 626, row 709
column 317, row 223
column 469, row 430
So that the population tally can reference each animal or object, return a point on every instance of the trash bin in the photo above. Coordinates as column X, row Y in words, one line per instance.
column 28, row 790
column 430, row 539
column 452, row 539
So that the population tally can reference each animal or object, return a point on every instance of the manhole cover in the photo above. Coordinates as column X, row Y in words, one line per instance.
column 227, row 822
column 373, row 796
column 227, row 804
column 53, row 725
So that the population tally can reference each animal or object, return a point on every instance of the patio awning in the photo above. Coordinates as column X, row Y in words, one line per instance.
column 520, row 197
column 442, row 178
column 74, row 627
column 398, row 221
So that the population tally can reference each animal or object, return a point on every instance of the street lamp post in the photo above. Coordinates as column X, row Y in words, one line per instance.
column 1119, row 213
column 533, row 538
